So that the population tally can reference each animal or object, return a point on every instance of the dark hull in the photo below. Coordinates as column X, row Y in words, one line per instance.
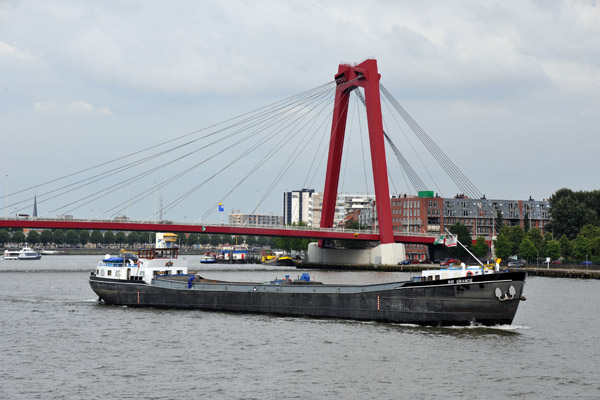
column 485, row 300
column 286, row 262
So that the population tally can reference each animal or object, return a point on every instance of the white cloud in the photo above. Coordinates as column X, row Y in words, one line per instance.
column 71, row 108
column 8, row 52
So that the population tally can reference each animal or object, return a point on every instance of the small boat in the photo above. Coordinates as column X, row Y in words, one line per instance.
column 235, row 254
column 208, row 259
column 160, row 279
column 49, row 252
column 280, row 261
column 27, row 253
column 11, row 254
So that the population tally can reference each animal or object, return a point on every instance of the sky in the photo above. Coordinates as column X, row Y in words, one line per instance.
column 510, row 90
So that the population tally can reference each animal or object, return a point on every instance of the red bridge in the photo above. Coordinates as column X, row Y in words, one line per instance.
column 349, row 77
column 299, row 232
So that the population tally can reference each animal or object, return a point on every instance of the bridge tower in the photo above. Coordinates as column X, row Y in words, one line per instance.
column 348, row 78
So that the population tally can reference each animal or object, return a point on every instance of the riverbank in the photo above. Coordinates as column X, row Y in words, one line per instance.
column 577, row 273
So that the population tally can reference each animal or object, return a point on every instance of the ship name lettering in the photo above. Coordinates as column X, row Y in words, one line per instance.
column 464, row 280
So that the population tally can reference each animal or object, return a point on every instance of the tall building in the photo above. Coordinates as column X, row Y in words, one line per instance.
column 352, row 204
column 315, row 208
column 296, row 206
column 268, row 220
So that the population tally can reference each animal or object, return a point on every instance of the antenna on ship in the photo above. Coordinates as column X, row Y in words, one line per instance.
column 463, row 246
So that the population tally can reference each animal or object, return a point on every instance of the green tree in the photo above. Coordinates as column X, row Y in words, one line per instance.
column 71, row 237
column 502, row 247
column 120, row 238
column 133, row 238
column 46, row 237
column 4, row 236
column 569, row 215
column 566, row 248
column 214, row 240
column 262, row 241
column 109, row 237
column 515, row 237
column 84, row 237
column 58, row 236
column 535, row 235
column 203, row 238
column 581, row 247
column 527, row 250
column 18, row 237
column 590, row 231
column 553, row 249
column 526, row 222
column 192, row 239
column 33, row 237
column 595, row 246
column 464, row 236
column 480, row 249
column 284, row 244
column 96, row 237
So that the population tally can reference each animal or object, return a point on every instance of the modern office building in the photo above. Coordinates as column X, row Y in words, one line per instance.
column 296, row 206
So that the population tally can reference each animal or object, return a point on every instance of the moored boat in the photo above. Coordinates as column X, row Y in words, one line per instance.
column 208, row 259
column 27, row 253
column 161, row 279
column 11, row 254
column 280, row 261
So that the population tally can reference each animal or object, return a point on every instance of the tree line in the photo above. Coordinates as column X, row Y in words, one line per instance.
column 72, row 237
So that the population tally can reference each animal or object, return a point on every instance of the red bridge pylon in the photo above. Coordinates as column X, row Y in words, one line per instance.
column 348, row 78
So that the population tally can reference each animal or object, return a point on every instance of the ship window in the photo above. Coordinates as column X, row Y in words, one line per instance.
column 102, row 273
column 179, row 272
column 109, row 272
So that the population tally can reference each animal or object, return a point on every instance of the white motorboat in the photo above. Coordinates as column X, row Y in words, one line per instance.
column 11, row 254
column 27, row 253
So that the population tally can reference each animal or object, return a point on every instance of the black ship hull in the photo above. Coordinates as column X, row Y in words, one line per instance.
column 487, row 300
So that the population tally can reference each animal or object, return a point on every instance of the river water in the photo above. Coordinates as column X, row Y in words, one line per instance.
column 58, row 342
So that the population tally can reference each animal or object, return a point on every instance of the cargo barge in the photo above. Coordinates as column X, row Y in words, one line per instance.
column 158, row 278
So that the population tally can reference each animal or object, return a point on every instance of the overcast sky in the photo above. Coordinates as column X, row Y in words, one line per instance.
column 509, row 90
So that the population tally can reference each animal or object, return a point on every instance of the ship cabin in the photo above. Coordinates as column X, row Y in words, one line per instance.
column 454, row 273
column 149, row 263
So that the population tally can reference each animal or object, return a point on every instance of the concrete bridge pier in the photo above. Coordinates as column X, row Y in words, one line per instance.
column 384, row 254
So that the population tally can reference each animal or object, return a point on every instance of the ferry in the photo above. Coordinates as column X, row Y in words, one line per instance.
column 159, row 278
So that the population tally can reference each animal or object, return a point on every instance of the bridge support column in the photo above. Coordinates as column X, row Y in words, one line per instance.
column 348, row 78
column 384, row 254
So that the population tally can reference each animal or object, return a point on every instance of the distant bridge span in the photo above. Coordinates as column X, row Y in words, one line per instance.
column 296, row 232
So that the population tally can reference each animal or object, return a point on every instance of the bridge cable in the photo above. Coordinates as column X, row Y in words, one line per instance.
column 177, row 159
column 162, row 143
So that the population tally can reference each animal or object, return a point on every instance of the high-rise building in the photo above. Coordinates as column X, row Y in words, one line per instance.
column 296, row 206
